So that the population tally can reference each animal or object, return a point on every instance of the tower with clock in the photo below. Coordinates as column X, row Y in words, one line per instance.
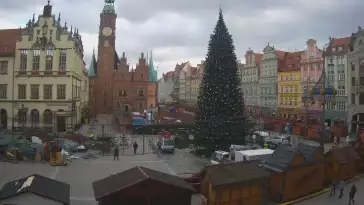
column 106, row 59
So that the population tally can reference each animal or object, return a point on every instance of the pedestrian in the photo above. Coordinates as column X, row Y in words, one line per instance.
column 341, row 188
column 333, row 188
column 135, row 146
column 116, row 153
column 352, row 194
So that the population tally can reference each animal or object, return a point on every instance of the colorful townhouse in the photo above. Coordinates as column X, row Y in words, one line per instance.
column 289, row 86
column 250, row 81
column 311, row 71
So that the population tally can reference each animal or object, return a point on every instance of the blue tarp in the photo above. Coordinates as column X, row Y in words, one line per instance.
column 138, row 121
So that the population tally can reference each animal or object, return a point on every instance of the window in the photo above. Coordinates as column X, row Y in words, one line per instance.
column 38, row 32
column 3, row 67
column 140, row 104
column 124, row 93
column 62, row 60
column 117, row 104
column 141, row 92
column 3, row 91
column 36, row 58
column 34, row 91
column 333, row 49
column 341, row 90
column 23, row 60
column 22, row 92
column 141, row 76
column 120, row 93
column 50, row 32
column 49, row 60
column 61, row 92
column 47, row 92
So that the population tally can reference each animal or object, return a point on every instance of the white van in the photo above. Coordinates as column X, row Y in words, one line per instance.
column 217, row 156
column 249, row 155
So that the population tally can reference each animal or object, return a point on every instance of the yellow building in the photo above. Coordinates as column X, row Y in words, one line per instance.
column 50, row 86
column 289, row 86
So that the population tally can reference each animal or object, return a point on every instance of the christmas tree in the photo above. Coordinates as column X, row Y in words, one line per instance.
column 220, row 119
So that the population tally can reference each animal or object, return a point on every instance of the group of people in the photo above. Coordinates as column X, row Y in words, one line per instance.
column 341, row 186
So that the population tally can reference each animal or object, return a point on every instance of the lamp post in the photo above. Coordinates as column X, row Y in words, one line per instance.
column 324, row 93
column 306, row 104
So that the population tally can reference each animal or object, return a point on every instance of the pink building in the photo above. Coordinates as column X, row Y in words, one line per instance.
column 311, row 70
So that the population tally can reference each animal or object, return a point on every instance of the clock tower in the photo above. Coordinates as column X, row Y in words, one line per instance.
column 106, row 63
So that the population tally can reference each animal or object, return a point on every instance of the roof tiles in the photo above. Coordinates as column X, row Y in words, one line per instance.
column 8, row 39
column 233, row 173
column 130, row 177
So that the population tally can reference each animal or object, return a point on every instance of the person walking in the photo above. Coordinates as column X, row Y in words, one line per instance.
column 116, row 153
column 333, row 188
column 352, row 194
column 135, row 146
column 341, row 188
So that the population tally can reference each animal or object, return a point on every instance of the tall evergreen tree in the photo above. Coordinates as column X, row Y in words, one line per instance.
column 220, row 119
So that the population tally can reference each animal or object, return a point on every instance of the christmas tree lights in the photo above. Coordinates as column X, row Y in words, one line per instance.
column 220, row 119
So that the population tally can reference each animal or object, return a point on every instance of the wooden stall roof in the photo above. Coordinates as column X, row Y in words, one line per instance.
column 133, row 176
column 344, row 154
column 280, row 159
column 283, row 155
column 234, row 173
column 308, row 152
column 38, row 185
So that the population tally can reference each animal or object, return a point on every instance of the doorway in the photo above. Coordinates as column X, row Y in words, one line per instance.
column 61, row 124
column 3, row 119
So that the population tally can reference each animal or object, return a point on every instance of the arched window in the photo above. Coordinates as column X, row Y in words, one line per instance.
column 22, row 114
column 48, row 117
column 141, row 92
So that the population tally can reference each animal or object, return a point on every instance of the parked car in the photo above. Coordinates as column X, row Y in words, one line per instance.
column 166, row 145
column 276, row 140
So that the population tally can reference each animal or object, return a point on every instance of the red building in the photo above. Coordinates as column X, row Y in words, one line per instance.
column 114, row 86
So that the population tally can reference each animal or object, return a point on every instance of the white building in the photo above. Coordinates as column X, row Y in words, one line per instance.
column 165, row 87
column 48, row 84
column 271, row 60
column 356, row 77
column 336, row 70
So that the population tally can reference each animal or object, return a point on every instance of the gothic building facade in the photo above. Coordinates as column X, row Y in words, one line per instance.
column 115, row 86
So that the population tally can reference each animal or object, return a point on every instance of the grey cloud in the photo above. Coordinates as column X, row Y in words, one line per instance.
column 147, row 24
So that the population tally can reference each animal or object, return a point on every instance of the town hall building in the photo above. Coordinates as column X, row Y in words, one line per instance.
column 115, row 86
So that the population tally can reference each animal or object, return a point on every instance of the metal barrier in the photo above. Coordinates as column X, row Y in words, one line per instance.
column 146, row 144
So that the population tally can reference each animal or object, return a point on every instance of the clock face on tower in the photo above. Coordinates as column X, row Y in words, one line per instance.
column 107, row 31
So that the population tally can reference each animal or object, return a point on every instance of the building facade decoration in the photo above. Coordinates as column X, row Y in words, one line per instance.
column 336, row 70
column 250, row 80
column 356, row 77
column 165, row 87
column 272, row 60
column 289, row 86
column 311, row 66
column 120, row 88
column 50, row 83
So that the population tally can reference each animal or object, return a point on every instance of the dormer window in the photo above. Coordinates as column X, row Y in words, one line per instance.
column 333, row 49
column 141, row 76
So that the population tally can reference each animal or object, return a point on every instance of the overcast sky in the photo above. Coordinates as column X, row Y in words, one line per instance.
column 179, row 30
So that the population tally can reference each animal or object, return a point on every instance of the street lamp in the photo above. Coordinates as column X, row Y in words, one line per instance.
column 324, row 95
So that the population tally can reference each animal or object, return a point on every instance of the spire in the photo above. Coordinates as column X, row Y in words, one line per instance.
column 151, row 70
column 59, row 18
column 33, row 20
column 109, row 6
column 92, row 68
